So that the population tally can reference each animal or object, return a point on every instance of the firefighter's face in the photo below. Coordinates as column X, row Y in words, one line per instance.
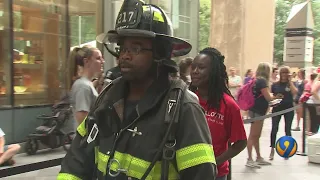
column 135, row 58
column 200, row 70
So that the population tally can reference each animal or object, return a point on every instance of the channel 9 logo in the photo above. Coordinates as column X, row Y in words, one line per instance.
column 286, row 146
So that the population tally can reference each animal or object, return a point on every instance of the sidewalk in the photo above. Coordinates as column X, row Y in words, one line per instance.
column 296, row 168
column 42, row 155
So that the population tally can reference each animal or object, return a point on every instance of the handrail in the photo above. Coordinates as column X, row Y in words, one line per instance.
column 10, row 171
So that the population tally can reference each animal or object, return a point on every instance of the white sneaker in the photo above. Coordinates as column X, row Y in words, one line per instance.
column 252, row 164
column 263, row 162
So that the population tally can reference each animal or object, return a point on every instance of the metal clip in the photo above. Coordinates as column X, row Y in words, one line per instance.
column 118, row 171
column 170, row 104
column 169, row 150
column 135, row 132
column 93, row 133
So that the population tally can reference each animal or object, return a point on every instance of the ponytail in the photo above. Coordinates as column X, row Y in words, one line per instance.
column 76, row 61
column 73, row 68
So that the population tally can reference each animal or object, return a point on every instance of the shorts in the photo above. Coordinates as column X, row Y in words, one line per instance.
column 253, row 115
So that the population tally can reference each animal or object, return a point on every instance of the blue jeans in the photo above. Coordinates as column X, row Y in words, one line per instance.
column 288, row 118
column 222, row 178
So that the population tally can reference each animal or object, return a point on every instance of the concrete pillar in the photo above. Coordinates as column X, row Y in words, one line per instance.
column 243, row 31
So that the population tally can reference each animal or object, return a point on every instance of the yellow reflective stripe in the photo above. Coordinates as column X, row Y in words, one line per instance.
column 82, row 128
column 135, row 167
column 102, row 162
column 194, row 155
column 96, row 150
column 145, row 8
column 66, row 176
column 157, row 16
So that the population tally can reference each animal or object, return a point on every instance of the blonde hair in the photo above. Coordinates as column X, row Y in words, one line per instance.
column 263, row 71
column 283, row 69
column 76, row 61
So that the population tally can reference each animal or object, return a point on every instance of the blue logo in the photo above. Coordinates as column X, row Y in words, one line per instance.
column 286, row 146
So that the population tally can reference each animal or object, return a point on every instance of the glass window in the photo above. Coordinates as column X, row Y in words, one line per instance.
column 183, row 31
column 83, row 26
column 39, row 51
column 184, row 8
column 5, row 52
column 83, row 22
column 181, row 19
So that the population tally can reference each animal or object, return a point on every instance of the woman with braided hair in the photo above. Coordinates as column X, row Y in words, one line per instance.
column 210, row 83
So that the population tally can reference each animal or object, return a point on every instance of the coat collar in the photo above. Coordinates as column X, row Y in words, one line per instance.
column 155, row 93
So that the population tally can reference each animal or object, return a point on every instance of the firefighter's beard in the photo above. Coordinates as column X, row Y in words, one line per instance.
column 141, row 77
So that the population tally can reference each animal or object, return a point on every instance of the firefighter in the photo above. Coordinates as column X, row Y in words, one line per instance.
column 143, row 124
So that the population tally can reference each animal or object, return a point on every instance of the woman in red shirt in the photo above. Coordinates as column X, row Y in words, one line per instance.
column 209, row 80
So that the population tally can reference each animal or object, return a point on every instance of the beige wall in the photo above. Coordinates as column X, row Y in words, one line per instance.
column 243, row 31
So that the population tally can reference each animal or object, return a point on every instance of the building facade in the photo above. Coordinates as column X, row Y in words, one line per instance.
column 243, row 31
column 36, row 37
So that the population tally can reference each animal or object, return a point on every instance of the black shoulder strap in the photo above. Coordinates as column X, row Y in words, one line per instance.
column 167, row 146
column 172, row 116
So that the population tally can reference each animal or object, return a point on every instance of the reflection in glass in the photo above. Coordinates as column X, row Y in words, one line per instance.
column 83, row 22
column 37, row 51
column 83, row 26
column 4, row 57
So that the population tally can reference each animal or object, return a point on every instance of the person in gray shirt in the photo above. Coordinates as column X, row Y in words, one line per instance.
column 89, row 62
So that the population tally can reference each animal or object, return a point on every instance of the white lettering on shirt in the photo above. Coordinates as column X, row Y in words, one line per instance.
column 215, row 117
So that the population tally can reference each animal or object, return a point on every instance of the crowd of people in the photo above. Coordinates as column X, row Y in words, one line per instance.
column 131, row 111
column 126, row 111
column 293, row 88
column 216, row 91
column 206, row 77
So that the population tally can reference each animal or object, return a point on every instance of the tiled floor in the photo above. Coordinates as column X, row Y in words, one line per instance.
column 296, row 168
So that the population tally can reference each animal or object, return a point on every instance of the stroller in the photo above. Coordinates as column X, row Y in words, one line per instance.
column 50, row 133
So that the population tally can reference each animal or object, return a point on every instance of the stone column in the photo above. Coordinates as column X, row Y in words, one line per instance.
column 243, row 31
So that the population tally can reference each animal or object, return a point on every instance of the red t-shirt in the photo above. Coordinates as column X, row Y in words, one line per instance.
column 225, row 126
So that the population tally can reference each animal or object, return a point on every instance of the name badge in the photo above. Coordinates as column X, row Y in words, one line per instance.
column 93, row 134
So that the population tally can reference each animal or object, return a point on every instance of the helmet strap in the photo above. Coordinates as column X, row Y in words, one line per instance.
column 110, row 51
